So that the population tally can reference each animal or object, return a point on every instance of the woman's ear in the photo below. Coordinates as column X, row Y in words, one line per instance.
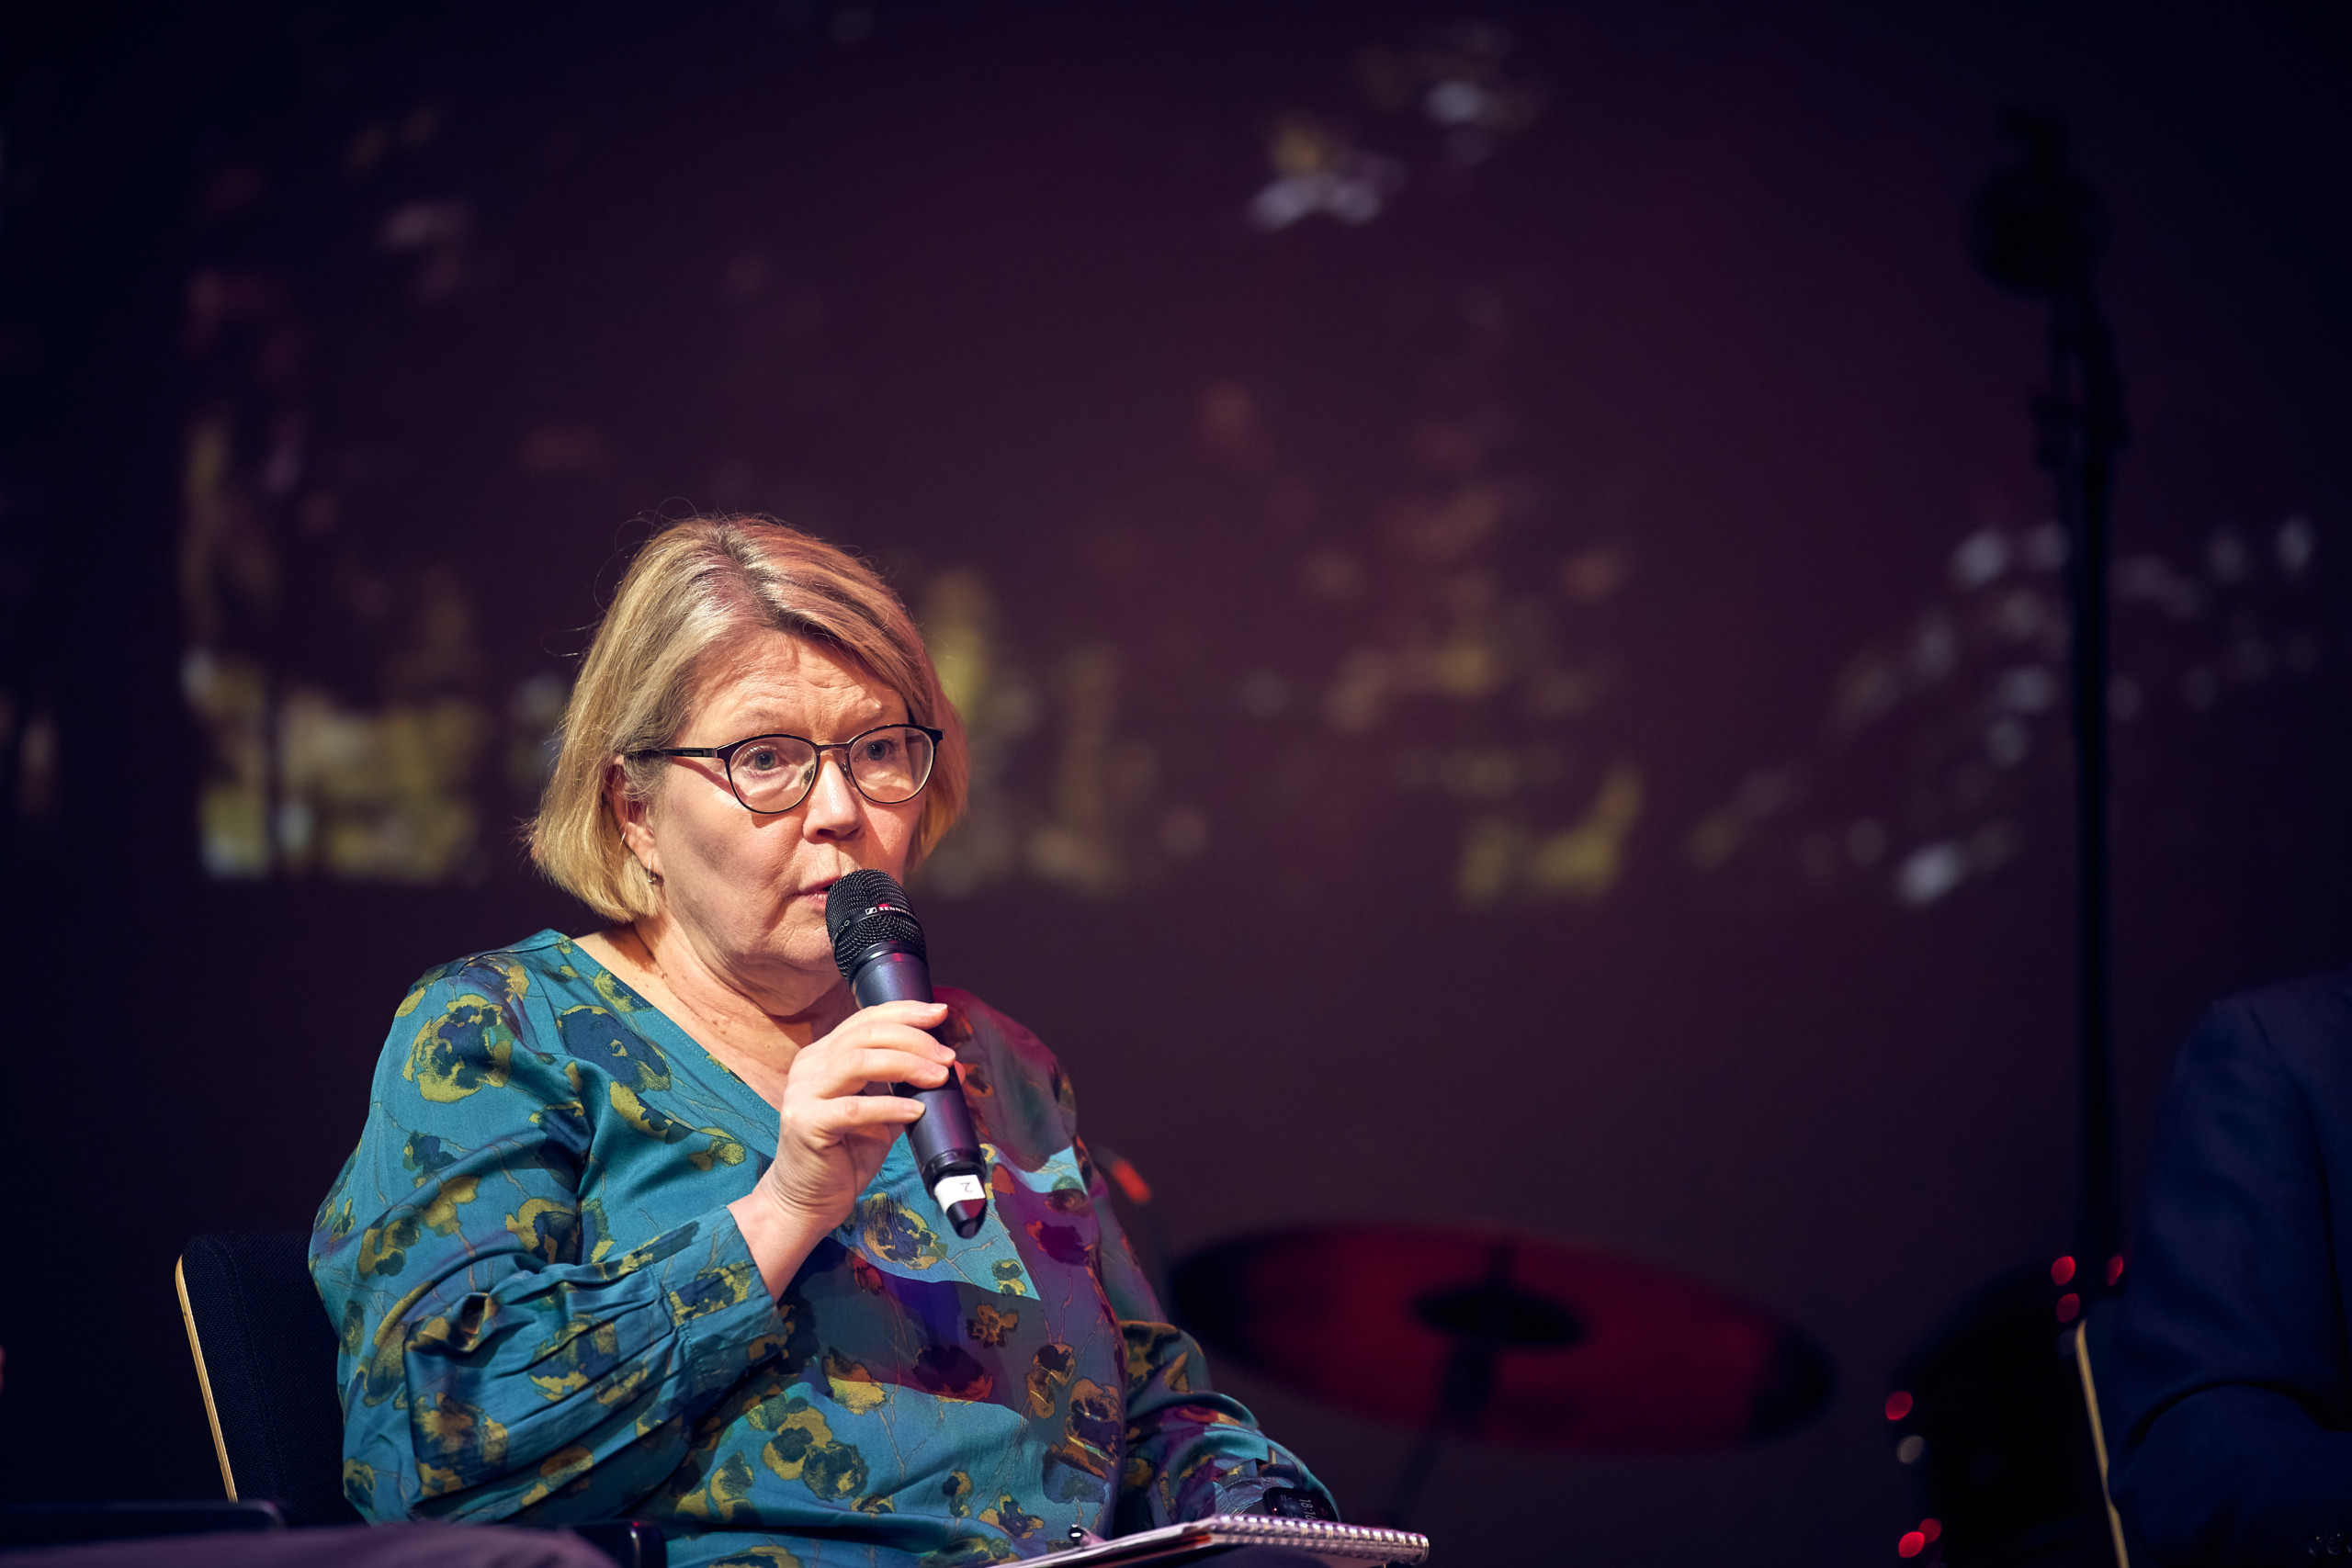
column 635, row 822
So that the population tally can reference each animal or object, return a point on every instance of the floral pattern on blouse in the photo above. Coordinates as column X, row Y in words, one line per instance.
column 546, row 1311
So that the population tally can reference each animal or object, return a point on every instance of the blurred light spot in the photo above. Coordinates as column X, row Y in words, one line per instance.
column 2043, row 549
column 1492, row 851
column 417, row 224
column 1981, row 558
column 389, row 791
column 1931, row 1529
column 535, row 714
column 282, row 469
column 1229, row 426
column 2226, row 557
column 237, row 186
column 1487, row 772
column 1908, row 1450
column 2115, row 1269
column 1865, row 842
column 1590, row 576
column 1445, row 531
column 2020, row 616
column 1929, row 872
column 1585, row 861
column 1359, row 692
column 1264, row 693
column 2150, row 579
column 1818, row 856
column 1898, row 1406
column 37, row 767
column 1097, row 780
column 438, row 229
column 1911, row 1543
column 294, row 822
column 1455, row 103
column 1467, row 666
column 745, row 274
column 1868, row 691
column 1335, row 575
column 1990, row 846
column 2027, row 688
column 1579, row 863
column 2069, row 1305
column 1563, row 693
column 2007, row 741
column 558, row 448
column 2250, row 659
column 1935, row 649
column 2062, row 1270
column 2200, row 687
column 1317, row 171
column 366, row 148
column 1763, row 795
column 1185, row 834
column 2298, row 542
column 1130, row 1180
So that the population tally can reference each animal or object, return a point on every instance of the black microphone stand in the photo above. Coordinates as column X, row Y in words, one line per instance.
column 1991, row 1411
column 2039, row 230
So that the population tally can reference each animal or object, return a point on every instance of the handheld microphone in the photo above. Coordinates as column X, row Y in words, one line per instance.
column 879, row 944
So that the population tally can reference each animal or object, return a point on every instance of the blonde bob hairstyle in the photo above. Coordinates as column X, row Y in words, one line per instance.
column 697, row 586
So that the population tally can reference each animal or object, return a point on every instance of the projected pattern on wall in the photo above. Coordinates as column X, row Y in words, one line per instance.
column 1436, row 603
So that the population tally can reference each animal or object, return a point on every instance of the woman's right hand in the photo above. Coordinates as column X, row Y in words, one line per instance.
column 836, row 1126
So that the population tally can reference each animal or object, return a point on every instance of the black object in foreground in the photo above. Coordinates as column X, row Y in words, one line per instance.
column 878, row 943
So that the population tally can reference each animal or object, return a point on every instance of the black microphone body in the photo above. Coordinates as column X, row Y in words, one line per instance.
column 879, row 945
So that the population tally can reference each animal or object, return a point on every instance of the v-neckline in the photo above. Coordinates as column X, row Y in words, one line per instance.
column 694, row 1048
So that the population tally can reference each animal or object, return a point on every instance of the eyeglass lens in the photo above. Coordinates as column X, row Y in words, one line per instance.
column 887, row 765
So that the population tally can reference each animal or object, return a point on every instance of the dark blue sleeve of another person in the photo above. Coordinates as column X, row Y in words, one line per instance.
column 2226, row 1381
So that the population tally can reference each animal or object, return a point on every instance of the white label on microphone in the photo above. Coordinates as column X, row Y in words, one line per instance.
column 959, row 1189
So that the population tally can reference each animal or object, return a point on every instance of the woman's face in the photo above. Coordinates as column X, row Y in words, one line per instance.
column 747, row 890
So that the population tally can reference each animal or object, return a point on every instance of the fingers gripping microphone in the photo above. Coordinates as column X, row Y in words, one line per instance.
column 879, row 944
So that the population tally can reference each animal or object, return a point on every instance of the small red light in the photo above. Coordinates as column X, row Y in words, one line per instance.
column 2062, row 1270
column 1898, row 1406
column 2068, row 1306
column 1931, row 1527
column 2115, row 1269
column 1911, row 1545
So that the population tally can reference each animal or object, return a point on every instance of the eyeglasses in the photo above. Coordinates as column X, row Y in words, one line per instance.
column 769, row 773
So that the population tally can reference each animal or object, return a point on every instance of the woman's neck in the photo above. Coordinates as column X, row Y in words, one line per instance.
column 720, row 1011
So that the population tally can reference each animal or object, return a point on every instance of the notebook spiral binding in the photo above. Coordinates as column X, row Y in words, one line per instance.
column 1330, row 1539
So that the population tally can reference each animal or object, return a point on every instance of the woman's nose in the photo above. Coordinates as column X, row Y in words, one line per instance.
column 833, row 803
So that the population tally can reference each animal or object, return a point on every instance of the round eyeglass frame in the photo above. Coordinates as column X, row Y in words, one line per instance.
column 725, row 755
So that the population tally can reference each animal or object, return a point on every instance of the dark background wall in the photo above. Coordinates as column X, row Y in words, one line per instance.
column 1573, row 622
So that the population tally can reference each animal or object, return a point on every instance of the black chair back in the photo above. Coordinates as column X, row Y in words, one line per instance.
column 265, row 1356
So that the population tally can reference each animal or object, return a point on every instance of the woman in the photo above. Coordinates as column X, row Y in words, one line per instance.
column 570, row 1284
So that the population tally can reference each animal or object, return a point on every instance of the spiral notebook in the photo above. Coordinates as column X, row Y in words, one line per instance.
column 1342, row 1546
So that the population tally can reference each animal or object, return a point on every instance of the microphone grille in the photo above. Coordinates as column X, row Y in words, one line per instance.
column 868, row 908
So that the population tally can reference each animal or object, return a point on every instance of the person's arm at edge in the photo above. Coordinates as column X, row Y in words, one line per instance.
column 2229, row 1335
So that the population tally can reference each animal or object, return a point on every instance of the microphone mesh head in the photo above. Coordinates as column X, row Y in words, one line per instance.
column 865, row 909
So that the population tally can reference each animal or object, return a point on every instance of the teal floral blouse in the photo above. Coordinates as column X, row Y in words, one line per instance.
column 548, row 1314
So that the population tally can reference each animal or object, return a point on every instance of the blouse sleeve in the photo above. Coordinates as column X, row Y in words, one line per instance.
column 1191, row 1451
column 498, row 1361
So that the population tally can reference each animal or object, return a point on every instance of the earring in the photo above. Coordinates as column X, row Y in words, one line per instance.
column 652, row 877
